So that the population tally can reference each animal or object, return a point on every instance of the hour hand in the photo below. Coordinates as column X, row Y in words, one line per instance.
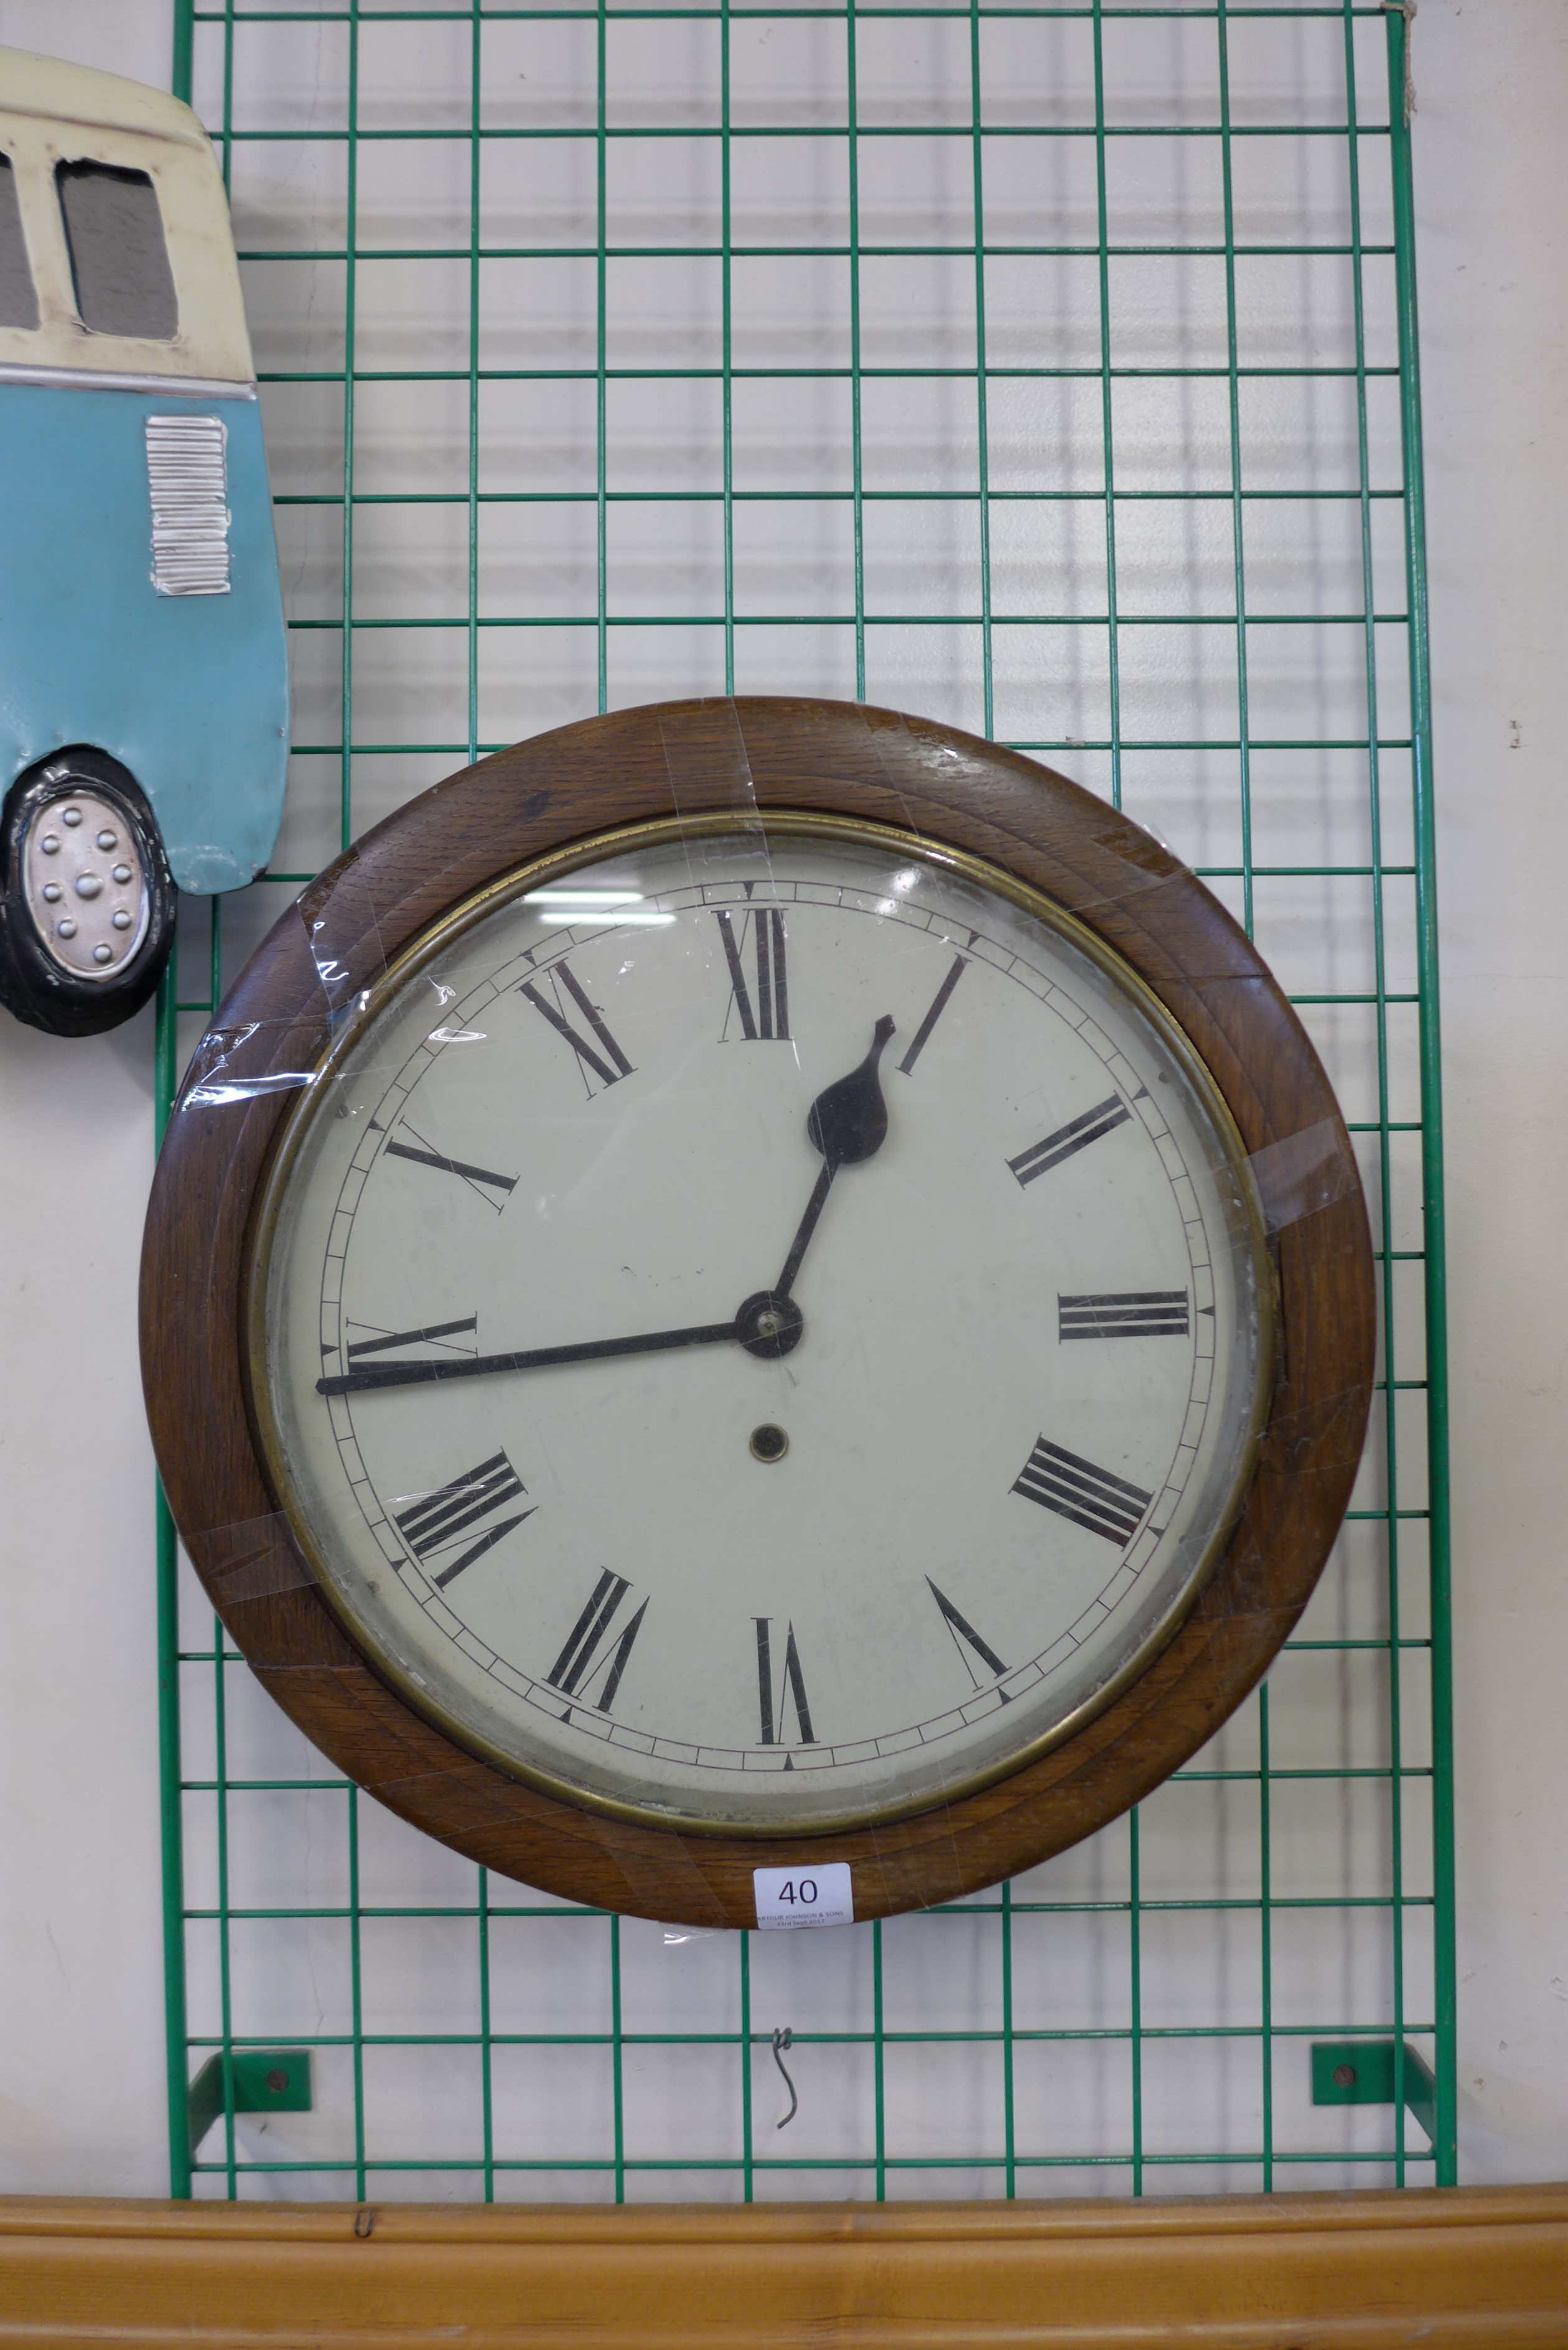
column 848, row 1122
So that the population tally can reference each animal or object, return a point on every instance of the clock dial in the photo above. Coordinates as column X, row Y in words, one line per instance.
column 760, row 1333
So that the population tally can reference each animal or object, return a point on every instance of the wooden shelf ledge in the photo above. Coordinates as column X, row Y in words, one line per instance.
column 1485, row 2267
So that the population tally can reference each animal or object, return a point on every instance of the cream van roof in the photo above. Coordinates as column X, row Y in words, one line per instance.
column 54, row 116
column 35, row 85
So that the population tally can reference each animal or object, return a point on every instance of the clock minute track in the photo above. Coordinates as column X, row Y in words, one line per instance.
column 848, row 1123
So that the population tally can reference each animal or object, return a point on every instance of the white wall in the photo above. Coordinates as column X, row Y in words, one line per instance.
column 1492, row 181
column 81, row 1983
column 81, row 2022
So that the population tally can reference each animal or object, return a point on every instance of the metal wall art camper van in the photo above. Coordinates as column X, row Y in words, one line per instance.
column 143, row 678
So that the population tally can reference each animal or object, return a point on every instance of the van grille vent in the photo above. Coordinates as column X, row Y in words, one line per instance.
column 187, row 476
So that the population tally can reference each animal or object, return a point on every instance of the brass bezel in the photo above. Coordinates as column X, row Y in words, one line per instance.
column 656, row 832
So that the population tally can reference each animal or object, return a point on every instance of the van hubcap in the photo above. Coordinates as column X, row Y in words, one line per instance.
column 84, row 885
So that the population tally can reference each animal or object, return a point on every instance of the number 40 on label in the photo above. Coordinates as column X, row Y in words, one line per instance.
column 791, row 1898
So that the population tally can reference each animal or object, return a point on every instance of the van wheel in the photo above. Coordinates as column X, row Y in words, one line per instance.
column 88, row 903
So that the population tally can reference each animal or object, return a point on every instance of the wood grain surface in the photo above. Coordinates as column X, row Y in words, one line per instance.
column 683, row 760
column 1446, row 2269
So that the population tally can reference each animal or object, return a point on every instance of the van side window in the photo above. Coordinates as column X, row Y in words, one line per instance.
column 18, row 303
column 119, row 260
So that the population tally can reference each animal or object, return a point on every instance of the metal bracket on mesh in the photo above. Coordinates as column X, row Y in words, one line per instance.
column 1362, row 2073
column 262, row 2080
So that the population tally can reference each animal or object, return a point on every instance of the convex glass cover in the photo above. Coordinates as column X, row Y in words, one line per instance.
column 761, row 1331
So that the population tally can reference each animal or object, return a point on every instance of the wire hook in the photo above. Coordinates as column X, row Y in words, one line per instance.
column 783, row 2040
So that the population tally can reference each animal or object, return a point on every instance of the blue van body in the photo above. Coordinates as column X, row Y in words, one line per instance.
column 189, row 692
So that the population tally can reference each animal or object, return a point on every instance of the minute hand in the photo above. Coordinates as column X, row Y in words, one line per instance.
column 527, row 1359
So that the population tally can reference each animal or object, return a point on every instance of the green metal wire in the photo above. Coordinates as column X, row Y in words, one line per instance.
column 1238, row 548
column 857, row 366
column 1113, row 634
column 1445, row 1958
column 747, row 2159
column 225, row 1984
column 1265, row 1933
column 602, row 451
column 172, row 1822
column 1391, row 872
column 350, row 313
column 1385, row 1168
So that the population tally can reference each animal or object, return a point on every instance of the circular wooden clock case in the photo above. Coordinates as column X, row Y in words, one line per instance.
column 755, row 1283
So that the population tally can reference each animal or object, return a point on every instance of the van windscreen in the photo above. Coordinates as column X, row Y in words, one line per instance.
column 18, row 303
column 119, row 259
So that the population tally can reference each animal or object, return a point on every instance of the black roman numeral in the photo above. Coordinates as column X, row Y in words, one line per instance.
column 436, row 1520
column 938, row 1005
column 771, row 1019
column 793, row 1686
column 481, row 1180
column 580, row 1660
column 1135, row 1314
column 385, row 1339
column 962, row 1630
column 562, row 973
column 1077, row 1135
column 1077, row 1489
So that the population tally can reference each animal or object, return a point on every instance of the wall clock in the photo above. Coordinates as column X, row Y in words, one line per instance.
column 753, row 1284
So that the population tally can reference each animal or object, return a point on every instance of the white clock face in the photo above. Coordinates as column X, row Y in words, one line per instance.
column 762, row 1334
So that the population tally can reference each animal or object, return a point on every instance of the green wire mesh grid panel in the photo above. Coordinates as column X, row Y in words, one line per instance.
column 1051, row 371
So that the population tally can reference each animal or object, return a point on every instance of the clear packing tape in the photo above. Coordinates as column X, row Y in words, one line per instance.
column 339, row 922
